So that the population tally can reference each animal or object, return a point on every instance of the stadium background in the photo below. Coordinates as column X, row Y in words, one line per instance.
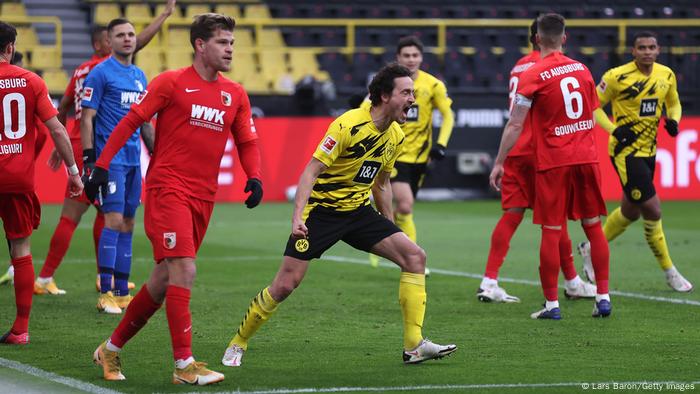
column 302, row 61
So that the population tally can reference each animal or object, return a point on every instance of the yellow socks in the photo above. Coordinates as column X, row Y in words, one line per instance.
column 406, row 224
column 412, row 298
column 654, row 233
column 615, row 225
column 259, row 311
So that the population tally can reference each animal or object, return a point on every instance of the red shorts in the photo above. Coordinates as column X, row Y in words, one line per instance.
column 518, row 182
column 175, row 223
column 20, row 214
column 569, row 191
column 78, row 156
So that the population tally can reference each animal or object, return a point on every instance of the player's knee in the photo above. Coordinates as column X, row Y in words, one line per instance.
column 404, row 207
column 281, row 289
column 415, row 259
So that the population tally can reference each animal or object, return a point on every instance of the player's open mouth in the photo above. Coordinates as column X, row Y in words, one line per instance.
column 406, row 109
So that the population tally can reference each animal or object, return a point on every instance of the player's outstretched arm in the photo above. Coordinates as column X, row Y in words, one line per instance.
column 145, row 36
column 306, row 183
column 63, row 146
column 381, row 190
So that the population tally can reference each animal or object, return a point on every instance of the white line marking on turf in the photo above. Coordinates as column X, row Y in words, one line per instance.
column 511, row 280
column 668, row 385
column 70, row 382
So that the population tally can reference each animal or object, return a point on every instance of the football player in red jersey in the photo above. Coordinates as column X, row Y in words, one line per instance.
column 559, row 95
column 25, row 100
column 196, row 106
column 518, row 194
column 74, row 207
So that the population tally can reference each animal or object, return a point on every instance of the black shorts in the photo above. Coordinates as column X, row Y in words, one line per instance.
column 637, row 176
column 362, row 229
column 411, row 173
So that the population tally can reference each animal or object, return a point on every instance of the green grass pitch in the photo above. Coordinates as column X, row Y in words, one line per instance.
column 342, row 327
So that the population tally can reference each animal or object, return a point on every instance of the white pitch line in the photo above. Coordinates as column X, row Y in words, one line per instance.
column 351, row 260
column 627, row 385
column 70, row 382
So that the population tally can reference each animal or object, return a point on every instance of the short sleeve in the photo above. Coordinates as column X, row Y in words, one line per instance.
column 93, row 89
column 243, row 128
column 156, row 96
column 333, row 143
column 527, row 85
column 606, row 88
column 44, row 106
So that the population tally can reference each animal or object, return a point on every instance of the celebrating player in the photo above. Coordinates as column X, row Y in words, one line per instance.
column 517, row 194
column 25, row 98
column 559, row 94
column 110, row 89
column 638, row 90
column 196, row 106
column 356, row 156
column 418, row 149
column 74, row 207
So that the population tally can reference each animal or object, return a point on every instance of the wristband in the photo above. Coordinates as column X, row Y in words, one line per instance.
column 73, row 170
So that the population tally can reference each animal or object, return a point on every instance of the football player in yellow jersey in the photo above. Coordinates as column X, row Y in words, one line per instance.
column 638, row 92
column 418, row 150
column 356, row 156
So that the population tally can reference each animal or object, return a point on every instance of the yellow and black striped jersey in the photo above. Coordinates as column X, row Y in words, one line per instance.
column 355, row 153
column 638, row 99
column 430, row 93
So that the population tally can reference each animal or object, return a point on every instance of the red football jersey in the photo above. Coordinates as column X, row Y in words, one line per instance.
column 74, row 90
column 524, row 146
column 25, row 101
column 563, row 97
column 194, row 119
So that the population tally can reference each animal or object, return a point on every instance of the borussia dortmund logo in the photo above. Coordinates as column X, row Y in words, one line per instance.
column 636, row 194
column 302, row 245
column 389, row 151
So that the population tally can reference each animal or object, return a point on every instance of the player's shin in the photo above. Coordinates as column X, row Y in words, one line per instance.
column 549, row 264
column 122, row 266
column 600, row 255
column 500, row 242
column 141, row 308
column 566, row 256
column 177, row 309
column 24, row 289
column 106, row 257
column 405, row 222
column 615, row 224
column 261, row 308
column 412, row 298
column 654, row 234
column 60, row 241
column 97, row 227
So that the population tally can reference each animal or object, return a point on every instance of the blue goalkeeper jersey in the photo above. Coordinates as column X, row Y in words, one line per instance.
column 110, row 89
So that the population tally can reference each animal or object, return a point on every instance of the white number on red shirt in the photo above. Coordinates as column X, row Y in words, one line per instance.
column 21, row 116
column 571, row 95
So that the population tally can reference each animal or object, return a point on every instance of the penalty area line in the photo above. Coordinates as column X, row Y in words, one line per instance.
column 50, row 376
column 639, row 296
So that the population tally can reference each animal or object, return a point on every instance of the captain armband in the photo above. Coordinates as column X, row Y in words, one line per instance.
column 522, row 100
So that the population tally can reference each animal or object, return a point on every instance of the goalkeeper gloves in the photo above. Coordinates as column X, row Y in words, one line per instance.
column 671, row 127
column 96, row 185
column 254, row 186
column 438, row 152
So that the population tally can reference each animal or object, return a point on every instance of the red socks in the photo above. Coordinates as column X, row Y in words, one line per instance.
column 140, row 309
column 500, row 242
column 177, row 308
column 600, row 255
column 59, row 246
column 549, row 262
column 566, row 255
column 97, row 227
column 24, row 289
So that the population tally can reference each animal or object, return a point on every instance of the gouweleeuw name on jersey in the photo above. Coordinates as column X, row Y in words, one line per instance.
column 637, row 99
column 430, row 93
column 355, row 152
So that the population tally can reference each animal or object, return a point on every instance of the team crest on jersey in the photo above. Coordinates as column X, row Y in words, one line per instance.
column 87, row 94
column 169, row 240
column 226, row 98
column 141, row 96
column 328, row 144
column 302, row 245
column 389, row 150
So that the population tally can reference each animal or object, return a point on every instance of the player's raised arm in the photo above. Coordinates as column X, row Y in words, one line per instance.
column 145, row 36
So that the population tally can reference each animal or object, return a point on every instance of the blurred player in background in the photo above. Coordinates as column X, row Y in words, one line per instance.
column 559, row 95
column 355, row 157
column 25, row 100
column 638, row 92
column 181, row 185
column 517, row 194
column 74, row 207
column 109, row 90
column 418, row 149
